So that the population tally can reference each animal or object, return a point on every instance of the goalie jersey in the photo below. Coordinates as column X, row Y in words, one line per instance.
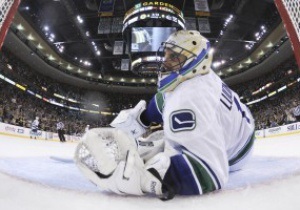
column 211, row 130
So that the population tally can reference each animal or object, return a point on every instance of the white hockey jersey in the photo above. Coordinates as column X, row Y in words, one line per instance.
column 35, row 124
column 210, row 128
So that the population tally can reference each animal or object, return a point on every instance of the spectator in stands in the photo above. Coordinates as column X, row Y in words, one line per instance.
column 290, row 118
column 273, row 122
column 296, row 111
column 1, row 113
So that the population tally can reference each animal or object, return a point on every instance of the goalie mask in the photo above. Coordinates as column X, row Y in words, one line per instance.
column 184, row 55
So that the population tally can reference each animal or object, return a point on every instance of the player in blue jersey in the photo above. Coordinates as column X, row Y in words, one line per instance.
column 207, row 132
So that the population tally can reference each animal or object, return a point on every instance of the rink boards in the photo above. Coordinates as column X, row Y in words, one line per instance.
column 289, row 129
column 17, row 131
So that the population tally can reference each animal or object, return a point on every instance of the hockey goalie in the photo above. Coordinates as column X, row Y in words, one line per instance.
column 207, row 132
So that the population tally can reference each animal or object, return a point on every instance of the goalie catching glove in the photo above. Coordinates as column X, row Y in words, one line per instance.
column 108, row 157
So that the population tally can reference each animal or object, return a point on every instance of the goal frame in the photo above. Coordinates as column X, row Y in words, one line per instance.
column 290, row 28
column 7, row 20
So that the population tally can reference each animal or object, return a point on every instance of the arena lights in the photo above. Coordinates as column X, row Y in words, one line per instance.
column 20, row 27
column 21, row 87
column 282, row 88
column 228, row 20
column 59, row 96
column 249, row 46
column 30, row 37
column 145, row 65
column 46, row 99
column 60, row 48
column 229, row 70
column 56, row 103
column 226, row 23
column 9, row 66
column 94, row 112
column 38, row 96
column 9, row 81
column 30, row 92
column 253, row 102
column 272, row 93
column 79, row 19
column 98, row 52
column 39, row 46
column 73, row 100
column 52, row 101
column 217, row 64
column 73, row 108
column 87, row 63
column 69, row 67
column 51, row 58
column 263, row 98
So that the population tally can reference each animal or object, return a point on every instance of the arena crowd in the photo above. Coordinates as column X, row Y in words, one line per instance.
column 20, row 108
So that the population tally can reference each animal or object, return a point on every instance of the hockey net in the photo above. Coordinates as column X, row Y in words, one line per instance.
column 8, row 8
column 290, row 14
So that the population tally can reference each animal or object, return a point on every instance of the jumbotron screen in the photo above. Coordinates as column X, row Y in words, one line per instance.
column 148, row 39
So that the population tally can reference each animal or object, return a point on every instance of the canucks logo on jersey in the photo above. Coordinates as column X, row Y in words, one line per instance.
column 182, row 120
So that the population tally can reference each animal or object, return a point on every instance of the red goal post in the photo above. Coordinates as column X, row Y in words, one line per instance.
column 8, row 8
column 290, row 14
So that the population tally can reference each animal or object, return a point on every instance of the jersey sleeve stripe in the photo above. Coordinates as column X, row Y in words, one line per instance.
column 159, row 101
column 180, row 177
column 243, row 151
column 194, row 174
column 207, row 178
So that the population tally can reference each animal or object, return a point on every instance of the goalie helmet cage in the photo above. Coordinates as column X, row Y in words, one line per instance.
column 289, row 11
column 8, row 8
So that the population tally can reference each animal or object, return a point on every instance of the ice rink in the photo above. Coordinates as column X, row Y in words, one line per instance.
column 41, row 175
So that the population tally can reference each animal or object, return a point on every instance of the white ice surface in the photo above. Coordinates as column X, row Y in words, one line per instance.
column 40, row 175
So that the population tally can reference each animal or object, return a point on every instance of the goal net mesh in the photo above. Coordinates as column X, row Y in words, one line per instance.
column 7, row 10
column 290, row 13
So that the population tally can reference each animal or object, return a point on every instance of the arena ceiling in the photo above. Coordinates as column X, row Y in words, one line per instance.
column 78, row 41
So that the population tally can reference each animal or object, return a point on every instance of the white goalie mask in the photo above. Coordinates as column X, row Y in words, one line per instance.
column 184, row 55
